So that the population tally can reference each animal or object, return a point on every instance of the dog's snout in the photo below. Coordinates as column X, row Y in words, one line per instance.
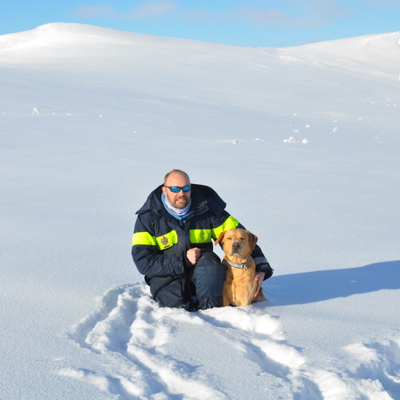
column 236, row 244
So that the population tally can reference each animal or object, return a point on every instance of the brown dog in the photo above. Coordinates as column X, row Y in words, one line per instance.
column 240, row 285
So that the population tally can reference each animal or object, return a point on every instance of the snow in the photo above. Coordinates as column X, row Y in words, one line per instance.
column 90, row 121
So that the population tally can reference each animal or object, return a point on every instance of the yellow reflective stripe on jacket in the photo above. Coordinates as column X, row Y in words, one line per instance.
column 196, row 235
column 143, row 238
column 200, row 235
column 162, row 242
column 230, row 223
column 205, row 235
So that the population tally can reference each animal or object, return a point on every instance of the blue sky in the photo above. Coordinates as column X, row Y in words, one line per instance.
column 234, row 22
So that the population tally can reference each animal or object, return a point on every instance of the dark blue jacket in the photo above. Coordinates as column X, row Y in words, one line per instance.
column 160, row 241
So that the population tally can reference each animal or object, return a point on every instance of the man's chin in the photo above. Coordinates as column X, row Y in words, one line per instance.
column 181, row 203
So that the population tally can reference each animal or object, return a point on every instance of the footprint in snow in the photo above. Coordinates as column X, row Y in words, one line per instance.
column 129, row 330
column 378, row 361
column 151, row 354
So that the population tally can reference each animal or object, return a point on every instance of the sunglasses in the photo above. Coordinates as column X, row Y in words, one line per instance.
column 177, row 189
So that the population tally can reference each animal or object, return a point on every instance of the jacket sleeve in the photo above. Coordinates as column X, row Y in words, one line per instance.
column 148, row 258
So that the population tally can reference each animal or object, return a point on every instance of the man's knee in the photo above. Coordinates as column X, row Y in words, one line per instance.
column 209, row 277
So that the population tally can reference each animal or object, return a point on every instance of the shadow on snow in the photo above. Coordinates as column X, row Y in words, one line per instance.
column 316, row 286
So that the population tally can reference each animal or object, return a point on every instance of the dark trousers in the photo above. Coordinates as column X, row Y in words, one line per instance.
column 205, row 281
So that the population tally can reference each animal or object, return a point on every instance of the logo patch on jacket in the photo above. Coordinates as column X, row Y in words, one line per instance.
column 164, row 241
column 167, row 240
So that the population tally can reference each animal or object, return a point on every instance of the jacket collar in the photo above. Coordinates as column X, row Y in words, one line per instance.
column 203, row 198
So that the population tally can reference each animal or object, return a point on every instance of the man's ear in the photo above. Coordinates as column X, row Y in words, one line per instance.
column 220, row 238
column 253, row 239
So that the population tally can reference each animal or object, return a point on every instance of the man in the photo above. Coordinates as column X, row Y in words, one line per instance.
column 172, row 244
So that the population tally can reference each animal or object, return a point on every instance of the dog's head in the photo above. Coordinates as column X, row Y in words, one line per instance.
column 237, row 243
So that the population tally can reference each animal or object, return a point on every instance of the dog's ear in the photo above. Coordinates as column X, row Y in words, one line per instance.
column 220, row 238
column 253, row 239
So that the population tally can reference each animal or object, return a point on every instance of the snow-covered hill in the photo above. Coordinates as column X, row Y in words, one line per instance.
column 303, row 145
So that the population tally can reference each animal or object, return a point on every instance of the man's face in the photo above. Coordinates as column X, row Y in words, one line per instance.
column 181, row 199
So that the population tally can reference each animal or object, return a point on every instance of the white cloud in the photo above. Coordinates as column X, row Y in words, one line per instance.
column 152, row 9
column 145, row 10
column 262, row 16
column 95, row 11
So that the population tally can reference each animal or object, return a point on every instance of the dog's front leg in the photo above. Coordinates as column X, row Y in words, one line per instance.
column 227, row 294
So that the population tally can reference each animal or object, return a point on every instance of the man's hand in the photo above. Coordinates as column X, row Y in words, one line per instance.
column 260, row 279
column 193, row 255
